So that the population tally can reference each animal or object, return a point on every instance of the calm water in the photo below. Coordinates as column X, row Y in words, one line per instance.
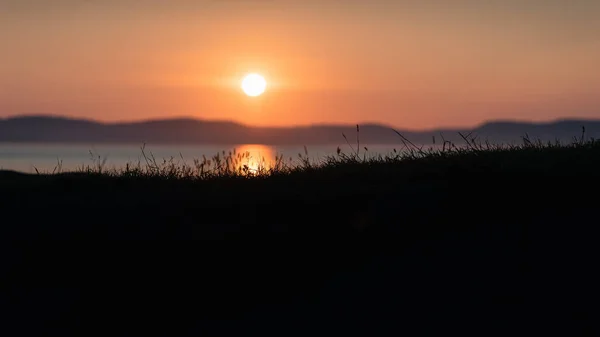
column 46, row 157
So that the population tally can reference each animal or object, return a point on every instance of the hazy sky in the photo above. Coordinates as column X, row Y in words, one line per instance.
column 412, row 64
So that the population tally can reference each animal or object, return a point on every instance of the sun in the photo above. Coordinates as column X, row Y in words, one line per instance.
column 254, row 85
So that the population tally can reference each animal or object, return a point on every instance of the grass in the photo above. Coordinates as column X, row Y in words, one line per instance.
column 494, row 238
column 234, row 164
column 352, row 191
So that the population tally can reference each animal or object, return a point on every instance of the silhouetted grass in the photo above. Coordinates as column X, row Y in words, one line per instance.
column 420, row 241
column 233, row 164
column 366, row 183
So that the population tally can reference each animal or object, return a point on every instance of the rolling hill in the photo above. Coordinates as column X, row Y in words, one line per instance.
column 196, row 131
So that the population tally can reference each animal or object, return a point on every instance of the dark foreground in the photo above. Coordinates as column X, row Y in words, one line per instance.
column 493, row 243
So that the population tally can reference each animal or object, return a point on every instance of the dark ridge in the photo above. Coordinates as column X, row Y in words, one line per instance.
column 487, row 242
column 479, row 241
column 195, row 131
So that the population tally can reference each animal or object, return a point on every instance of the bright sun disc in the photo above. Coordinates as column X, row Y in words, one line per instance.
column 254, row 85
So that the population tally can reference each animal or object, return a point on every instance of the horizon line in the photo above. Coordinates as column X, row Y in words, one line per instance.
column 323, row 124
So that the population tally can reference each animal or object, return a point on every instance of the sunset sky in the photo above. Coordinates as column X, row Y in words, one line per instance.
column 411, row 64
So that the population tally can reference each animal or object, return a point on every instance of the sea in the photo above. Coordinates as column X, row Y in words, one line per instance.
column 53, row 157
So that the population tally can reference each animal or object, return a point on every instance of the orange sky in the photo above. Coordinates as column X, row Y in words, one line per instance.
column 411, row 64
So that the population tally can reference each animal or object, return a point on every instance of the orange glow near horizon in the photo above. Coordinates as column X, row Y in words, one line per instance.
column 406, row 65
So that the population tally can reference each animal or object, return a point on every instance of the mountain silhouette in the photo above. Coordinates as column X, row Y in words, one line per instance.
column 197, row 131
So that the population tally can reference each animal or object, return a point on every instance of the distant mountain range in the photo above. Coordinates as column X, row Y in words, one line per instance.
column 194, row 131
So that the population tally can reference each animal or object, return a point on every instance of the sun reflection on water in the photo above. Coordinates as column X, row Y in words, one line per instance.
column 255, row 157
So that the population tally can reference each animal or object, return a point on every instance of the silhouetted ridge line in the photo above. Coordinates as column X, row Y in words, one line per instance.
column 184, row 130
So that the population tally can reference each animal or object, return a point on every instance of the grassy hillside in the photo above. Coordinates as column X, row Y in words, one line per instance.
column 487, row 239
